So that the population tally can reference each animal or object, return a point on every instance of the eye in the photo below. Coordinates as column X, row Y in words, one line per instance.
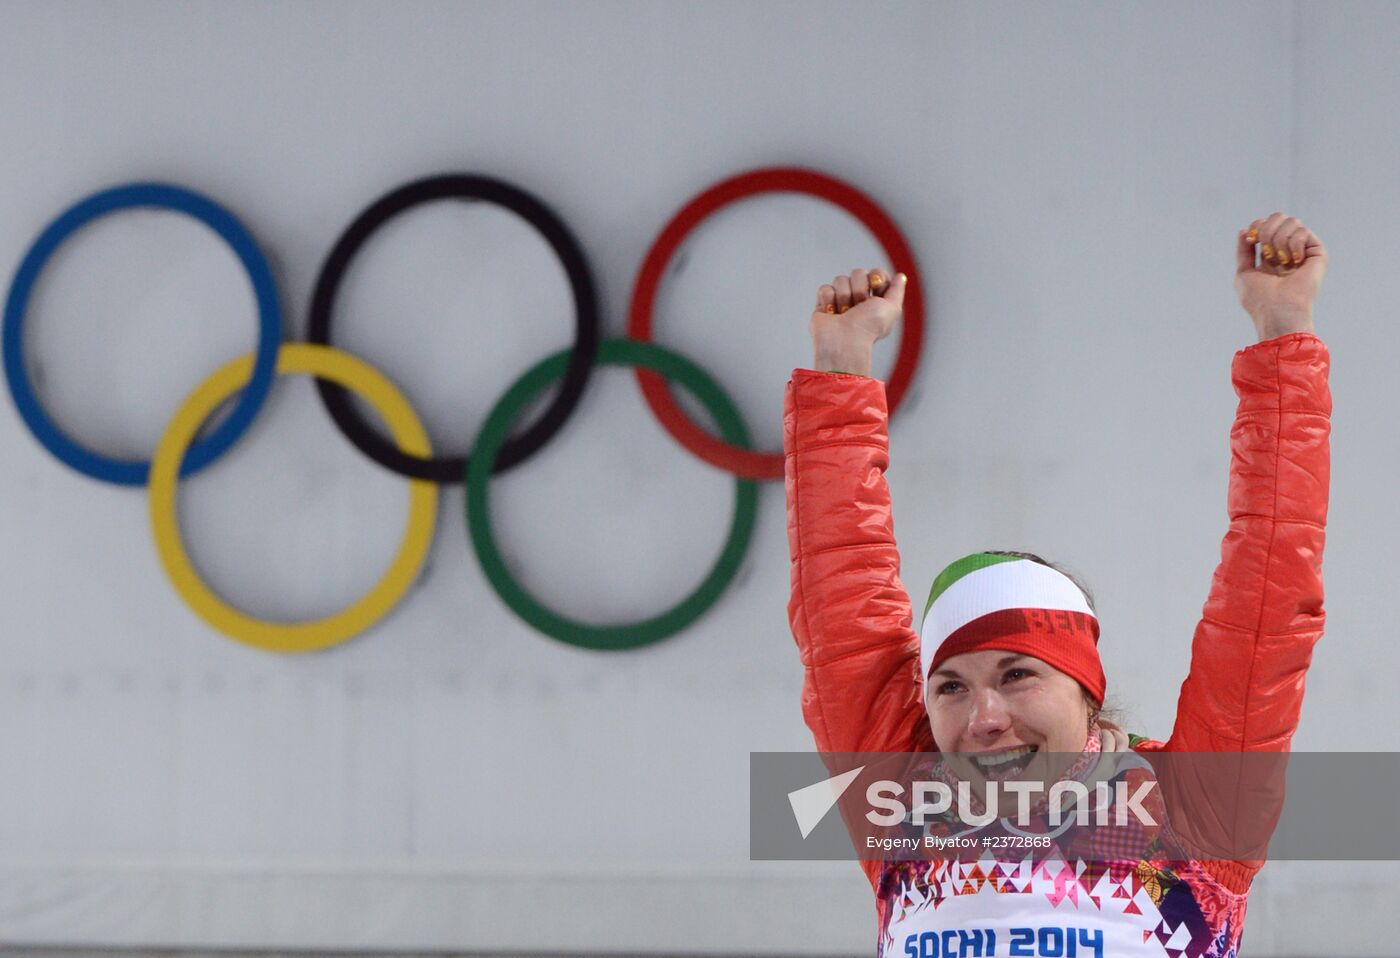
column 1013, row 675
column 948, row 687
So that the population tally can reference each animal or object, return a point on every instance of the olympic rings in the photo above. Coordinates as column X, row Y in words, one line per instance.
column 742, row 462
column 613, row 352
column 408, row 432
column 122, row 471
column 516, row 450
column 409, row 454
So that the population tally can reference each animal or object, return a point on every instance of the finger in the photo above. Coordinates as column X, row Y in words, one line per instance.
column 1283, row 234
column 843, row 293
column 878, row 282
column 1252, row 239
column 1245, row 249
column 860, row 286
column 826, row 299
column 895, row 294
column 1314, row 248
column 1267, row 244
column 1290, row 245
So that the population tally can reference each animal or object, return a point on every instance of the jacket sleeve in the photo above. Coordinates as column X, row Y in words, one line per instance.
column 848, row 609
column 1254, row 641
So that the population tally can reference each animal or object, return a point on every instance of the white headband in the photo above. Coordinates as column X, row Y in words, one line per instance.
column 1019, row 584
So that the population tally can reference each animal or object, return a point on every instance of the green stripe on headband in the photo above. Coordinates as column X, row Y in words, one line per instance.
column 954, row 572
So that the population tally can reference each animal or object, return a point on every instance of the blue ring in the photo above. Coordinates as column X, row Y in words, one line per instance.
column 125, row 471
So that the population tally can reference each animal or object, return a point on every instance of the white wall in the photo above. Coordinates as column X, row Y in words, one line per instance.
column 1071, row 178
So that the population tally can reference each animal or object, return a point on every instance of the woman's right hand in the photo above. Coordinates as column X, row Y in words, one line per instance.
column 854, row 313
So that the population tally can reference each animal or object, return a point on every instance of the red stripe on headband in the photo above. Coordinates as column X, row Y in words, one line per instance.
column 1065, row 640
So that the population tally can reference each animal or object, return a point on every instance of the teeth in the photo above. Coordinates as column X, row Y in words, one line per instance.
column 991, row 761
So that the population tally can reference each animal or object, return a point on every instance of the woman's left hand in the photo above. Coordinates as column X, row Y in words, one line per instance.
column 1278, row 293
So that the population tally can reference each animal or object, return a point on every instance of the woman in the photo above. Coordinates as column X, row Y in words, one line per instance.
column 1006, row 658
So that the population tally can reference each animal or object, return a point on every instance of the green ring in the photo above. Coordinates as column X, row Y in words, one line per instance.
column 612, row 352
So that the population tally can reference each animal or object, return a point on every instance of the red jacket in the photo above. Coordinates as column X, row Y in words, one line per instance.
column 854, row 623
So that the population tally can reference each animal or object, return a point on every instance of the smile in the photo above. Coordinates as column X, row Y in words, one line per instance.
column 1012, row 757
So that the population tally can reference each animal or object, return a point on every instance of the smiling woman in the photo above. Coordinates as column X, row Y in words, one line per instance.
column 1101, row 712
column 1005, row 663
column 1009, row 651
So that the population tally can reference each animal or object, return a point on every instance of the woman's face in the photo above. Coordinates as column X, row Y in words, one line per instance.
column 994, row 701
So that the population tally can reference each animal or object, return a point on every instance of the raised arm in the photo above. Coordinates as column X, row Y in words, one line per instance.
column 1254, row 641
column 849, row 612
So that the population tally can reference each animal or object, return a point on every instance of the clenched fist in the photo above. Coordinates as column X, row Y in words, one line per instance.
column 1278, row 293
column 853, row 313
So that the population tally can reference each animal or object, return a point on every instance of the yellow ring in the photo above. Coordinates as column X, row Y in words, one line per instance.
column 354, row 374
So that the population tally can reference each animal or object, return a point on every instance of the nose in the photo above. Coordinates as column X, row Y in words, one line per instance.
column 989, row 719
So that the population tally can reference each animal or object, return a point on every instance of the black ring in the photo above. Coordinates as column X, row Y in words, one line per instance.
column 471, row 187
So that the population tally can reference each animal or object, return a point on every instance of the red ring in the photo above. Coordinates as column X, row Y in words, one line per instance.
column 743, row 462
